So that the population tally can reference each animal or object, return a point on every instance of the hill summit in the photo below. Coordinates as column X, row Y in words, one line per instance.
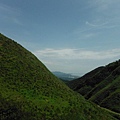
column 29, row 91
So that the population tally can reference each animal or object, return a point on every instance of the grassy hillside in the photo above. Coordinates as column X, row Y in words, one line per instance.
column 81, row 82
column 101, row 86
column 29, row 91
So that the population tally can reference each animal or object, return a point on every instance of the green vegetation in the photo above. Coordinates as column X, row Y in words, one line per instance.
column 29, row 91
column 101, row 86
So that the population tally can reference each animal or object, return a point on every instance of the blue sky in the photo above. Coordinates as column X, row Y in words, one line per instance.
column 72, row 36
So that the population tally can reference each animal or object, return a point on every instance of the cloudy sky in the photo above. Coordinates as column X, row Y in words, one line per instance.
column 72, row 36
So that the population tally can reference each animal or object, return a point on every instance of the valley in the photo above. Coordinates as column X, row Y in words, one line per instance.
column 29, row 91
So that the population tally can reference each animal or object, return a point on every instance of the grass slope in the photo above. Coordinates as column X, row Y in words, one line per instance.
column 29, row 91
column 102, row 86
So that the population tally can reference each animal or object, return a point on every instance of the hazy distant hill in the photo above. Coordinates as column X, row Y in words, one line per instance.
column 64, row 76
column 101, row 86
column 29, row 91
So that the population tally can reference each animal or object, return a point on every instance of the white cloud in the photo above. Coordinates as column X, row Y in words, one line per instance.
column 105, row 13
column 96, row 25
column 77, row 54
column 76, row 60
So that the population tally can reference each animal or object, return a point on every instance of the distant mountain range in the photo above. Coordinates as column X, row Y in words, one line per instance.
column 29, row 91
column 101, row 85
column 65, row 76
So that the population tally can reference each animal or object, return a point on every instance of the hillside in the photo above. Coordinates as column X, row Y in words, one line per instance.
column 29, row 91
column 101, row 86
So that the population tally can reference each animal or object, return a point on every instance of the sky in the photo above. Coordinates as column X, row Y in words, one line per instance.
column 71, row 36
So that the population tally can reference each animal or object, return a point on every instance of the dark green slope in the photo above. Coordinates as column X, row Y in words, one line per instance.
column 29, row 91
column 81, row 83
column 101, row 86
